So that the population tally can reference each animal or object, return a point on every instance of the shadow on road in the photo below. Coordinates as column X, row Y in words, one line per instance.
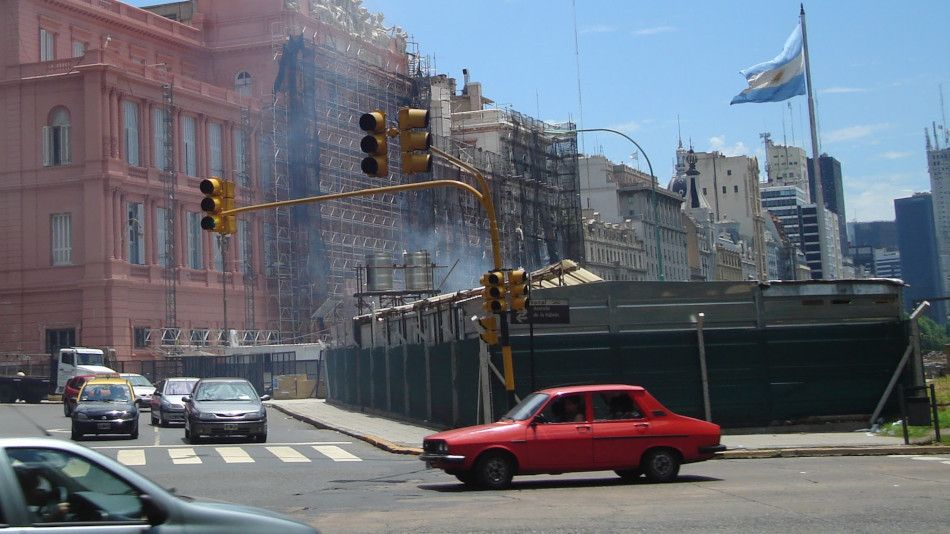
column 553, row 483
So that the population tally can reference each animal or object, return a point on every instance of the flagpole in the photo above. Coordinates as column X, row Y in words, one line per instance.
column 816, row 167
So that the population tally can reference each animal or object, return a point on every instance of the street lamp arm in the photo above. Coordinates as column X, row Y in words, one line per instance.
column 656, row 218
column 621, row 134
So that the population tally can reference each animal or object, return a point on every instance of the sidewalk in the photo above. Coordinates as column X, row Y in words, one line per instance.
column 405, row 438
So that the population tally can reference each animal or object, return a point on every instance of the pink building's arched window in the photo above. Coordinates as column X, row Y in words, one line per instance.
column 242, row 83
column 56, row 149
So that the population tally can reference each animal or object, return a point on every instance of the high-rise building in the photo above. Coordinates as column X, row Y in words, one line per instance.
column 832, row 191
column 918, row 253
column 786, row 165
column 938, row 164
column 787, row 183
column 875, row 234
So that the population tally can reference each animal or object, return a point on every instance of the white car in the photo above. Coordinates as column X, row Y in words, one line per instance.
column 142, row 388
column 53, row 485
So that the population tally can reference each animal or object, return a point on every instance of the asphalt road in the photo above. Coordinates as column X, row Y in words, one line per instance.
column 375, row 491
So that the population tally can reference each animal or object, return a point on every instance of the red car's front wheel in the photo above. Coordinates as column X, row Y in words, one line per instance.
column 494, row 470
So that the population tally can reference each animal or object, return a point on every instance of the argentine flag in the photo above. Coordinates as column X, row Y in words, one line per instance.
column 779, row 79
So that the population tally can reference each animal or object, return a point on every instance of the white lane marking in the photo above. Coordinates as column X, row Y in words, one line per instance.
column 184, row 456
column 288, row 454
column 100, row 448
column 131, row 457
column 234, row 455
column 336, row 454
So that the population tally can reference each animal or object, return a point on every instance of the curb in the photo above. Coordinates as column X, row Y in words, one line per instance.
column 372, row 440
column 745, row 454
column 731, row 454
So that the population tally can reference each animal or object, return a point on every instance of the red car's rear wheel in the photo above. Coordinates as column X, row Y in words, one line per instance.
column 661, row 465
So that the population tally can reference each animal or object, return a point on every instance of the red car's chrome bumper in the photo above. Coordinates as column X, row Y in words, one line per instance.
column 439, row 460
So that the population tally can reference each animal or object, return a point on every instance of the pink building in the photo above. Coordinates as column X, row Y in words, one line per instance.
column 111, row 115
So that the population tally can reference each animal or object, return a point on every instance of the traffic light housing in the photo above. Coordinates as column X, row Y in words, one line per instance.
column 518, row 289
column 374, row 144
column 219, row 197
column 488, row 330
column 414, row 144
column 494, row 292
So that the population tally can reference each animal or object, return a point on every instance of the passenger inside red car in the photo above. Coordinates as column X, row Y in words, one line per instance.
column 573, row 406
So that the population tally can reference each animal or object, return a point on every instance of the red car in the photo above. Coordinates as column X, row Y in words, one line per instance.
column 612, row 427
column 71, row 391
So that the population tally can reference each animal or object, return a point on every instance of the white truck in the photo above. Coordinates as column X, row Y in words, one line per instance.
column 33, row 377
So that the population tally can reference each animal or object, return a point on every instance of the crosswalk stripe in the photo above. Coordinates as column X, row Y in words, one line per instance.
column 288, row 454
column 184, row 456
column 336, row 454
column 234, row 455
column 131, row 457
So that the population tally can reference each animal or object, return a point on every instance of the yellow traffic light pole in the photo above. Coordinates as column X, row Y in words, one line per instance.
column 496, row 253
column 483, row 197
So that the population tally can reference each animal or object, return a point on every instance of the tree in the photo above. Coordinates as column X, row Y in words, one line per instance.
column 932, row 336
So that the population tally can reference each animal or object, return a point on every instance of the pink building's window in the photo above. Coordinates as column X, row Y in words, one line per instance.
column 47, row 46
column 242, row 83
column 56, row 149
column 61, row 238
column 131, row 130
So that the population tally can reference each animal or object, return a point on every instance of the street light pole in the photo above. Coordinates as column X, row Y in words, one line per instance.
column 656, row 218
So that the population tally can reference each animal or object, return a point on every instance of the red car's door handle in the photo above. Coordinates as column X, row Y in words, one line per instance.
column 583, row 428
column 641, row 425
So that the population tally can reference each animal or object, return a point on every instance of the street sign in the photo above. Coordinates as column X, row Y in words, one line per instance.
column 544, row 311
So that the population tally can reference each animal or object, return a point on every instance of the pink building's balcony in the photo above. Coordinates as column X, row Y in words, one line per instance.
column 153, row 21
column 154, row 73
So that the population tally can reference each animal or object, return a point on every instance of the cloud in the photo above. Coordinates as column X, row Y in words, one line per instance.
column 871, row 197
column 853, row 132
column 598, row 28
column 718, row 144
column 654, row 31
column 627, row 127
column 844, row 90
column 896, row 155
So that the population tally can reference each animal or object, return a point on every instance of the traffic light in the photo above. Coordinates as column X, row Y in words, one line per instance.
column 213, row 204
column 494, row 292
column 374, row 144
column 415, row 145
column 488, row 329
column 518, row 289
column 219, row 197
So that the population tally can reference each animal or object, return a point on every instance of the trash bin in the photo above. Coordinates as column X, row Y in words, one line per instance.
column 918, row 411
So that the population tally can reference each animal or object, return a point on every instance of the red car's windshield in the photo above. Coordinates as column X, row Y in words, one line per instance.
column 527, row 407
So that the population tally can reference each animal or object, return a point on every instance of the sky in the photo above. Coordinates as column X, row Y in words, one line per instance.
column 661, row 72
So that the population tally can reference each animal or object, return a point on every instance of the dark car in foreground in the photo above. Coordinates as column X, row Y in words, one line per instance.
column 51, row 485
column 105, row 406
column 611, row 427
column 220, row 407
column 166, row 404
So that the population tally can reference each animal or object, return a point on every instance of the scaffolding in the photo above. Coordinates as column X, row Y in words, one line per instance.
column 314, row 249
column 247, row 198
column 170, row 261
